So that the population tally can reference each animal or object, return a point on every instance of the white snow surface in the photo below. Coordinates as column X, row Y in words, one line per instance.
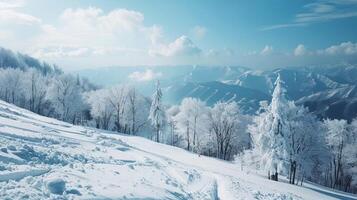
column 39, row 155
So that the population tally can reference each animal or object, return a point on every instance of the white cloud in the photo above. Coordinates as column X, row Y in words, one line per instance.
column 199, row 31
column 345, row 48
column 116, row 20
column 156, row 34
column 267, row 50
column 147, row 75
column 119, row 36
column 320, row 7
column 300, row 50
column 13, row 17
column 278, row 26
column 182, row 46
column 225, row 52
column 17, row 29
column 5, row 35
column 11, row 4
column 92, row 27
column 10, row 15
column 61, row 51
column 320, row 11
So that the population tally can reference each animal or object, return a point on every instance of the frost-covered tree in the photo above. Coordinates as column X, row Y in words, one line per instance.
column 118, row 96
column 305, row 143
column 214, row 131
column 120, row 108
column 268, row 131
column 157, row 112
column 174, row 137
column 132, row 99
column 44, row 90
column 137, row 112
column 11, row 84
column 100, row 108
column 191, row 121
column 337, row 138
column 287, row 137
column 341, row 139
column 35, row 87
column 348, row 181
column 64, row 93
column 224, row 124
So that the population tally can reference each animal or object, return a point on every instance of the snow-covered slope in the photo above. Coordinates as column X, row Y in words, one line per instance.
column 43, row 158
column 340, row 103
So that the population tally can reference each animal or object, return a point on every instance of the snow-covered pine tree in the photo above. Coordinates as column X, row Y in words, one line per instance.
column 157, row 112
column 286, row 137
column 268, row 131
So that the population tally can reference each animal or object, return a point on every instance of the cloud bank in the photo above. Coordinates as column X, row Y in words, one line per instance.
column 147, row 75
column 93, row 37
column 182, row 46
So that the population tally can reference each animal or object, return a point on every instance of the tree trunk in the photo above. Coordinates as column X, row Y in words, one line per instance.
column 290, row 172
column 133, row 131
column 118, row 120
column 188, row 135
column 157, row 133
column 294, row 172
column 194, row 134
column 13, row 97
column 302, row 179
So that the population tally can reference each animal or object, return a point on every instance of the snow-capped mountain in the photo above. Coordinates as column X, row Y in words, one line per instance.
column 338, row 103
column 246, row 86
column 298, row 82
column 214, row 91
column 43, row 158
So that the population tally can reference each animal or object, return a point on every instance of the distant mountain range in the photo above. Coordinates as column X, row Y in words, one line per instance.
column 327, row 91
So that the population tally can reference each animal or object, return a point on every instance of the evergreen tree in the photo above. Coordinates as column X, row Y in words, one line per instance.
column 269, row 128
column 157, row 112
column 287, row 137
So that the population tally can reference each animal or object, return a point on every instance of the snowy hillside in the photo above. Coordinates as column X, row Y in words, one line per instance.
column 42, row 158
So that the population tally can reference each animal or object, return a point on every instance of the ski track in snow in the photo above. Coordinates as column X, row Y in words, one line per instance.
column 40, row 156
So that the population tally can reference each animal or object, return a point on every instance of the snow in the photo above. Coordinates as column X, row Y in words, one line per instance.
column 18, row 175
column 49, row 159
column 56, row 186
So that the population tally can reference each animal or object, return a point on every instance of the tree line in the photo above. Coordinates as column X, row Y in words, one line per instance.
column 121, row 108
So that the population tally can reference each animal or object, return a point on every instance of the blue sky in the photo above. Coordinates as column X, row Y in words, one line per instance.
column 259, row 34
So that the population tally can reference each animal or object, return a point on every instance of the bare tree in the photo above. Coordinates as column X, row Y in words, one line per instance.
column 118, row 99
column 224, row 123
column 100, row 108
column 66, row 97
column 35, row 91
column 133, row 109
